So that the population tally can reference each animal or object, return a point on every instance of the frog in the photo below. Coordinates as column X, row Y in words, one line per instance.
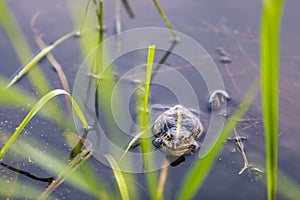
column 177, row 131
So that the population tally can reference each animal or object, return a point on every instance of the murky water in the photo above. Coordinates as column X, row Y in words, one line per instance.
column 232, row 25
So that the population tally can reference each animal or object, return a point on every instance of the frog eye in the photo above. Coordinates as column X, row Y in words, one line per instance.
column 169, row 136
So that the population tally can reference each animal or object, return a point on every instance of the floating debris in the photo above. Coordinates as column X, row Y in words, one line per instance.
column 217, row 98
column 225, row 60
column 235, row 139
column 224, row 56
column 221, row 51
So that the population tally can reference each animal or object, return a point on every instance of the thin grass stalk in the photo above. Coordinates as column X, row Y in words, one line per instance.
column 23, row 52
column 83, row 178
column 164, row 16
column 106, row 80
column 84, row 16
column 21, row 47
column 27, row 174
column 55, row 64
column 144, row 122
column 162, row 180
column 37, row 58
column 72, row 167
column 128, row 9
column 270, row 28
column 195, row 177
column 119, row 177
column 33, row 112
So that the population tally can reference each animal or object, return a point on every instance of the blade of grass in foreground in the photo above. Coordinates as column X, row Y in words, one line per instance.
column 35, row 109
column 119, row 177
column 21, row 47
column 38, row 57
column 144, row 122
column 270, row 28
column 18, row 190
column 23, row 51
column 83, row 178
column 199, row 171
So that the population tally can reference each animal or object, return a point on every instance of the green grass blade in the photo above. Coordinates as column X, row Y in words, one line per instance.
column 270, row 28
column 18, row 190
column 199, row 171
column 37, row 58
column 164, row 16
column 88, row 41
column 34, row 110
column 150, row 60
column 82, row 178
column 144, row 122
column 24, row 53
column 15, row 96
column 119, row 177
column 22, row 48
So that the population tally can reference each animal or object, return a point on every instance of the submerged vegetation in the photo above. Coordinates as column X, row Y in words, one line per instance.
column 77, row 171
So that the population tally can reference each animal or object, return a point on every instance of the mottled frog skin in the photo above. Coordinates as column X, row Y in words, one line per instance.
column 177, row 131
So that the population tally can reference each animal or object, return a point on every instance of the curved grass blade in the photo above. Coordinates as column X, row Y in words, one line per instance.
column 270, row 28
column 119, row 177
column 37, row 58
column 57, row 67
column 35, row 109
column 21, row 47
column 196, row 175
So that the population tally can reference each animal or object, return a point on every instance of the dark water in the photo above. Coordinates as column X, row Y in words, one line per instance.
column 232, row 25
